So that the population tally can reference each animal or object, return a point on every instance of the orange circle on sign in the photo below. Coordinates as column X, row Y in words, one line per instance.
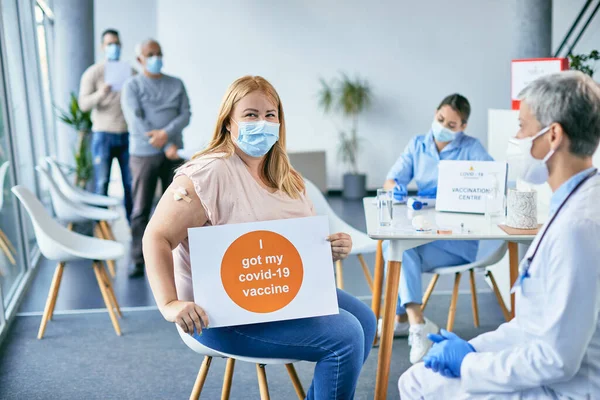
column 262, row 271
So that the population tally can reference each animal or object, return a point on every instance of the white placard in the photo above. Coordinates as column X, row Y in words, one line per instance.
column 463, row 185
column 524, row 72
column 116, row 73
column 263, row 271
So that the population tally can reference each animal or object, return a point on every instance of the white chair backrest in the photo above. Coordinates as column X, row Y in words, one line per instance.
column 322, row 207
column 59, row 176
column 44, row 226
column 491, row 250
column 3, row 173
column 63, row 207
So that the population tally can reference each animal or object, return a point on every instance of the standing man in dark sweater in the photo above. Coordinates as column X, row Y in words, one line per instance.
column 109, row 131
column 157, row 108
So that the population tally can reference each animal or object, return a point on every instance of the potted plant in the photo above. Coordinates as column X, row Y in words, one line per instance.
column 580, row 62
column 350, row 98
column 82, row 123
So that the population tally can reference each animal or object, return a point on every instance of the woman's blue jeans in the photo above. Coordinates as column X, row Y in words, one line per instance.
column 339, row 344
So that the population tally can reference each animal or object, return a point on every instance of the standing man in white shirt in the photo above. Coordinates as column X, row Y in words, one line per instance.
column 551, row 349
column 110, row 138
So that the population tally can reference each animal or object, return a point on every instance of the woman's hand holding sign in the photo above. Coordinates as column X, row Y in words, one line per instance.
column 341, row 245
column 187, row 314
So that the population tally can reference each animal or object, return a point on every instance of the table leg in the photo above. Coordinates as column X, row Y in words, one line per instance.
column 387, row 334
column 377, row 283
column 513, row 259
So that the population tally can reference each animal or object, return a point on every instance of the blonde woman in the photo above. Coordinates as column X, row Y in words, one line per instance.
column 244, row 175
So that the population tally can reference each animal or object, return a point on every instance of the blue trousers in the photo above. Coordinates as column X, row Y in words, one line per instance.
column 339, row 344
column 425, row 258
column 105, row 147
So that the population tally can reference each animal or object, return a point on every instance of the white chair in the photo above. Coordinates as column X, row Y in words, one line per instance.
column 59, row 244
column 70, row 212
column 490, row 252
column 361, row 243
column 7, row 247
column 227, row 379
column 73, row 192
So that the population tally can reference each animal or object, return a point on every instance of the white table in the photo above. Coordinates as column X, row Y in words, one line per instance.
column 402, row 237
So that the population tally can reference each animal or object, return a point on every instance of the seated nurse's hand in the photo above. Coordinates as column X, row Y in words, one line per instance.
column 341, row 245
column 187, row 314
column 400, row 192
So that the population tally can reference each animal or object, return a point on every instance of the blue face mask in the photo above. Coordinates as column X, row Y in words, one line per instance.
column 257, row 138
column 441, row 133
column 154, row 64
column 113, row 52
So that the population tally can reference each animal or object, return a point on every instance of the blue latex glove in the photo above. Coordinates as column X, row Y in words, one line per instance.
column 447, row 353
column 400, row 191
column 428, row 193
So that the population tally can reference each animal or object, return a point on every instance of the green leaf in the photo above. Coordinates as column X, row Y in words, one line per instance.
column 325, row 96
column 350, row 97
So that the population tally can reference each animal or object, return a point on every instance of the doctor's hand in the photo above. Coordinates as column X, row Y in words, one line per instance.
column 341, row 245
column 447, row 354
column 158, row 138
column 187, row 314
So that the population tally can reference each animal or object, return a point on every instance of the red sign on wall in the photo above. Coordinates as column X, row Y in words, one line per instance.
column 524, row 71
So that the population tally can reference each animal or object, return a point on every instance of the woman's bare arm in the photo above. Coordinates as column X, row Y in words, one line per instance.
column 167, row 228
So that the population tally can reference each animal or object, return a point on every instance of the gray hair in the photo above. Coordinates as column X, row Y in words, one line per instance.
column 140, row 46
column 571, row 99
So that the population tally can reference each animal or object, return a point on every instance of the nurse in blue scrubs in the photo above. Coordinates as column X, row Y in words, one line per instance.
column 445, row 140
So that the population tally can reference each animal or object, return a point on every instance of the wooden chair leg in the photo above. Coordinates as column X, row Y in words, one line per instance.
column 227, row 379
column 366, row 271
column 429, row 290
column 452, row 312
column 474, row 299
column 51, row 298
column 339, row 275
column 262, row 382
column 7, row 252
column 111, row 291
column 107, row 230
column 201, row 378
column 105, row 296
column 295, row 381
column 58, row 281
column 8, row 242
column 505, row 312
column 377, row 285
column 106, row 235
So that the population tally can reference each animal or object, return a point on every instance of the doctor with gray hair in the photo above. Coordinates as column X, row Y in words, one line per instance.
column 157, row 109
column 551, row 349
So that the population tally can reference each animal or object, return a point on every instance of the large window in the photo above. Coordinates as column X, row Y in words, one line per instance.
column 26, row 135
column 19, row 112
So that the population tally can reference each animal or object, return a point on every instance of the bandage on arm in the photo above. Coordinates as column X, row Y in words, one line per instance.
column 181, row 193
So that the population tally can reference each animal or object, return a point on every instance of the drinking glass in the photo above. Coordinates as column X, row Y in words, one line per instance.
column 385, row 206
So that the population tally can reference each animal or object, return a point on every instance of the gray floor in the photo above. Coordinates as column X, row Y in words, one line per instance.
column 81, row 357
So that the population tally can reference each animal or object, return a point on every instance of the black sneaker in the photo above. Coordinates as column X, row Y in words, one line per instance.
column 136, row 270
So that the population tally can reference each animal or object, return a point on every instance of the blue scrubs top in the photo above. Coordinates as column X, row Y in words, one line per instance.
column 420, row 161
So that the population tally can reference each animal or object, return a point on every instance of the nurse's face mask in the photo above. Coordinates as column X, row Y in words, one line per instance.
column 446, row 124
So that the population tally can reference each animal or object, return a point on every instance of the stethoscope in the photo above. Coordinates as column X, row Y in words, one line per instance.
column 524, row 267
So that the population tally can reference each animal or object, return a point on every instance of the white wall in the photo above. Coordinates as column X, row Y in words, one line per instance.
column 134, row 19
column 412, row 53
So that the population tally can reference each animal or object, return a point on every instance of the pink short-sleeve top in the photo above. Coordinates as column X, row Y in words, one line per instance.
column 229, row 194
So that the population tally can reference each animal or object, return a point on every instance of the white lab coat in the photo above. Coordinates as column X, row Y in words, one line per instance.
column 552, row 347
